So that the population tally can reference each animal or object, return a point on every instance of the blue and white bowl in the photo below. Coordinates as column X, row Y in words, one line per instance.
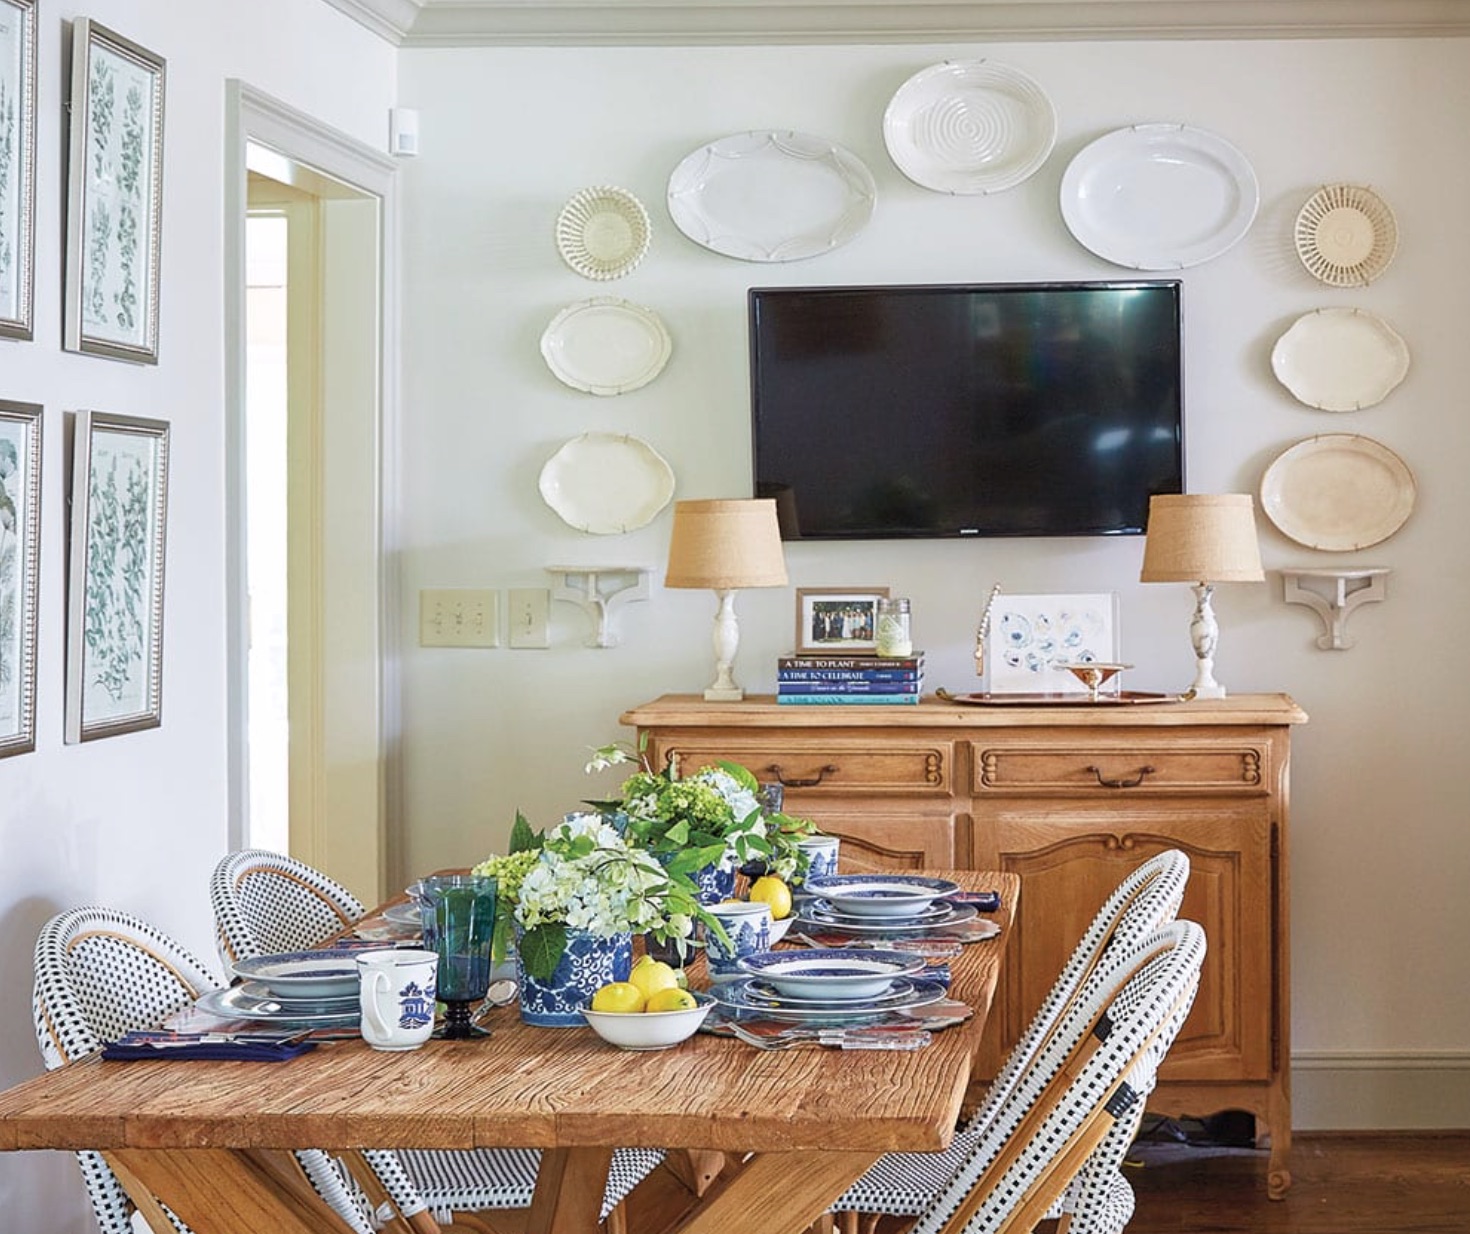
column 835, row 974
column 881, row 895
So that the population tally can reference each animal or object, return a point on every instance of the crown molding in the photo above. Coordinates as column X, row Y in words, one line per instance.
column 546, row 23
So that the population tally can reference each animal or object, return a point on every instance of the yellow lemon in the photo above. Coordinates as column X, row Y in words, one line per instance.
column 618, row 996
column 651, row 976
column 775, row 893
column 671, row 999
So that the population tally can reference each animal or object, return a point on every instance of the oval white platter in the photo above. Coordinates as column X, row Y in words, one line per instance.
column 1340, row 359
column 1338, row 492
column 606, row 483
column 1159, row 196
column 1346, row 235
column 771, row 196
column 969, row 126
column 603, row 232
column 606, row 346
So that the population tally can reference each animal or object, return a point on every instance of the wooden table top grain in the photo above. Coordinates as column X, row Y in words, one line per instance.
column 526, row 1086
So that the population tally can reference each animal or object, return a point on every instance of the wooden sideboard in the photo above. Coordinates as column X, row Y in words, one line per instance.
column 1070, row 797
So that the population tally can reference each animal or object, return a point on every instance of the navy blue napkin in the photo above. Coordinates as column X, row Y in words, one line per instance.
column 166, row 1046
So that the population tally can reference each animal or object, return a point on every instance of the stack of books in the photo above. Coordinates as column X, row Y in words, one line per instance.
column 817, row 680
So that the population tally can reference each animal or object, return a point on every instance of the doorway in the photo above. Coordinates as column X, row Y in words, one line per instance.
column 310, row 399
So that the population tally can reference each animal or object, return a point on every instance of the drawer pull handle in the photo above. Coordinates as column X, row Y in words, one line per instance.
column 775, row 770
column 1133, row 783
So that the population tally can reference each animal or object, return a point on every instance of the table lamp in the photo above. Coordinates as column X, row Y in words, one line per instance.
column 725, row 545
column 1202, row 539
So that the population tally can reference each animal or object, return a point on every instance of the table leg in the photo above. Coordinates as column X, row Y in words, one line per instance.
column 229, row 1191
column 569, row 1190
column 775, row 1193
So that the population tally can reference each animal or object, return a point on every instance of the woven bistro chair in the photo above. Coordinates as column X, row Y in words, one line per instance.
column 1085, row 1082
column 265, row 903
column 905, row 1184
column 99, row 974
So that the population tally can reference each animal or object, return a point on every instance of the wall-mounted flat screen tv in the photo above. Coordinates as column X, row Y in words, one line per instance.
column 1016, row 409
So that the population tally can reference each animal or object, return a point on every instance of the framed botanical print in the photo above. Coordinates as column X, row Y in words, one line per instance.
column 20, row 542
column 114, row 196
column 119, row 509
column 17, row 168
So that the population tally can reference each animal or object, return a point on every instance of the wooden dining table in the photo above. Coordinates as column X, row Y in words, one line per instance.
column 212, row 1139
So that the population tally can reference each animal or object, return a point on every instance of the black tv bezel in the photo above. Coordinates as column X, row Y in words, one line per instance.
column 752, row 298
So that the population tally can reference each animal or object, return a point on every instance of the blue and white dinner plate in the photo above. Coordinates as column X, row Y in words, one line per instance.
column 833, row 973
column 939, row 916
column 880, row 895
column 736, row 997
column 232, row 1003
column 762, row 993
column 327, row 973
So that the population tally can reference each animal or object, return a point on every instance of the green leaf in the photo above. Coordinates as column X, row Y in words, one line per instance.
column 742, row 774
column 542, row 948
column 522, row 837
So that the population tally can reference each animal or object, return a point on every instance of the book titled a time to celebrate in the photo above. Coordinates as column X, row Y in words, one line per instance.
column 816, row 680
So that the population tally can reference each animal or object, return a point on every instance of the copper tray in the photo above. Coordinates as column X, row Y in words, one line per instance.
column 1122, row 697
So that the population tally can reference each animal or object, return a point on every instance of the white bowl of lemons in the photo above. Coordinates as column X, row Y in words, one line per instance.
column 653, row 1029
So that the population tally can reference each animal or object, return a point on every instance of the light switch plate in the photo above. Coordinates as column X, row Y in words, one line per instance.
column 530, row 609
column 459, row 617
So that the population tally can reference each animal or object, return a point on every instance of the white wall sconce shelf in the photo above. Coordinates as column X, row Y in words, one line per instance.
column 1345, row 590
column 601, row 590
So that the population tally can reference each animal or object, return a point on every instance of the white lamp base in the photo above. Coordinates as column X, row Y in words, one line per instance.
column 727, row 642
column 1204, row 633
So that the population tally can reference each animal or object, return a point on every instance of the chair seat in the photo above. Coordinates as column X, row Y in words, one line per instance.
column 506, row 1177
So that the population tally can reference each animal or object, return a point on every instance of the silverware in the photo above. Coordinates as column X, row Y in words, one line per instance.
column 838, row 1038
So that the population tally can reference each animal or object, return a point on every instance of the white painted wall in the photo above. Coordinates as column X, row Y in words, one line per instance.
column 1379, row 835
column 138, row 822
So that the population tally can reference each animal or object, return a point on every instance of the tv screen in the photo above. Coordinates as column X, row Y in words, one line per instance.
column 1019, row 409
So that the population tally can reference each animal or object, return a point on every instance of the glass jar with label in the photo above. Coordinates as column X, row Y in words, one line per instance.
column 893, row 628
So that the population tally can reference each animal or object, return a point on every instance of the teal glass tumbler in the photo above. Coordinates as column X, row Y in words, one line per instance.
column 458, row 914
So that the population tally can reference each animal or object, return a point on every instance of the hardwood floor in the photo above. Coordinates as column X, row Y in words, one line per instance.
column 1341, row 1184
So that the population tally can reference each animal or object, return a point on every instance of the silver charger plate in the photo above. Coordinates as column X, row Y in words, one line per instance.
column 880, row 895
column 760, row 992
column 819, row 913
column 234, row 1004
column 735, row 996
column 346, row 1004
column 832, row 973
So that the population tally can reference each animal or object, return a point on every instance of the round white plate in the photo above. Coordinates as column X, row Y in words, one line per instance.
column 1159, row 196
column 304, row 974
column 1338, row 492
column 969, row 126
column 1340, row 359
column 602, row 232
column 903, row 896
column 606, row 346
column 833, row 973
column 607, row 483
column 738, row 996
column 771, row 196
column 1346, row 235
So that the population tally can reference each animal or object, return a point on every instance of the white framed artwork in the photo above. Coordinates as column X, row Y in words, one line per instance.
column 1033, row 636
column 17, row 167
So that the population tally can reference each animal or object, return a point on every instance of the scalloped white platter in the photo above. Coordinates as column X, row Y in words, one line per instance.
column 1338, row 492
column 1159, row 196
column 771, row 195
column 606, row 346
column 606, row 483
column 1340, row 359
column 969, row 126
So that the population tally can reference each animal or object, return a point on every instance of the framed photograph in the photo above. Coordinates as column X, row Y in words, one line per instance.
column 830, row 619
column 17, row 168
column 119, row 509
column 20, row 543
column 114, row 196
column 1031, row 636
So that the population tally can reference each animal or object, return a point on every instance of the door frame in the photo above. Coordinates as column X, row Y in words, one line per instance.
column 254, row 118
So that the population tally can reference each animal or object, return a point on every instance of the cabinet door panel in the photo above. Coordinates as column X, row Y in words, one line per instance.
column 1069, row 866
column 873, row 840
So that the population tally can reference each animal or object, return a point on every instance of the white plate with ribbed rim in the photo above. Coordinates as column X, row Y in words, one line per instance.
column 969, row 126
column 603, row 232
column 771, row 195
column 1159, row 196
column 1340, row 359
column 606, row 346
column 606, row 483
column 1346, row 235
column 1338, row 492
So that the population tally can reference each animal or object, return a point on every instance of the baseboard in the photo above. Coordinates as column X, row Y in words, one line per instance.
column 1394, row 1090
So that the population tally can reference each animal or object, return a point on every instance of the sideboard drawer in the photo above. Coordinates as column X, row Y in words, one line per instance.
column 1089, row 767
column 834, row 766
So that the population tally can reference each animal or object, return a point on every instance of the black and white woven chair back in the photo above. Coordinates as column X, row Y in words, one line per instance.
column 100, row 973
column 1078, row 1089
column 265, row 903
